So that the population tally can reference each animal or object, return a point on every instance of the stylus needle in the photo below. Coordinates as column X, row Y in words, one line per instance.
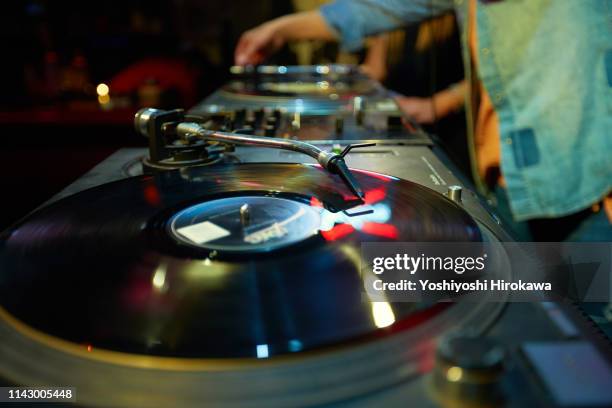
column 339, row 167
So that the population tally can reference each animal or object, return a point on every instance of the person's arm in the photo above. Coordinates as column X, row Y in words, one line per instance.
column 349, row 21
column 426, row 110
column 256, row 44
column 375, row 62
column 354, row 20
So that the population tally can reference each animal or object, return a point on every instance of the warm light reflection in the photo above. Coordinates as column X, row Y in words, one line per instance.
column 159, row 277
column 454, row 374
column 251, row 184
column 102, row 89
column 207, row 273
column 383, row 314
column 352, row 254
column 103, row 99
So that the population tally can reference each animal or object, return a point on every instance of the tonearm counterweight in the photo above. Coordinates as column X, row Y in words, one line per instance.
column 147, row 122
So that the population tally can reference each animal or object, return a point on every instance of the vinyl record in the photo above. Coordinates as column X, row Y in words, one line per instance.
column 292, row 88
column 300, row 81
column 250, row 260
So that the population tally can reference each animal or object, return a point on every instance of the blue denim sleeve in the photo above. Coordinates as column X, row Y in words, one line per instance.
column 354, row 20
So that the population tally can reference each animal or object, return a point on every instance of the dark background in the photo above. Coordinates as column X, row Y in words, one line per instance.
column 53, row 125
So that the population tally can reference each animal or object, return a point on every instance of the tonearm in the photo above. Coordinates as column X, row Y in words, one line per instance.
column 149, row 120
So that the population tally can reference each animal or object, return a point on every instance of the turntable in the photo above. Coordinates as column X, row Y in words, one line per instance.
column 228, row 274
column 321, row 89
column 323, row 102
column 235, row 284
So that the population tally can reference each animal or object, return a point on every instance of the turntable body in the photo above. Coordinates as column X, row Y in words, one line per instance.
column 353, row 375
column 387, row 365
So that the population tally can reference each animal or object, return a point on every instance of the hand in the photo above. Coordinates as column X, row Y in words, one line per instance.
column 420, row 109
column 257, row 44
column 377, row 72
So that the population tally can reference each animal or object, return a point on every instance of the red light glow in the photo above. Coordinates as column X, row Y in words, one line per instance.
column 337, row 232
column 314, row 202
column 375, row 195
column 380, row 230
column 151, row 195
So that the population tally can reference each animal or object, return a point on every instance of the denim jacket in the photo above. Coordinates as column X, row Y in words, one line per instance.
column 547, row 66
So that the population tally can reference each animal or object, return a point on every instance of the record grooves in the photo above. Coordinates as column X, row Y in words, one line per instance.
column 112, row 275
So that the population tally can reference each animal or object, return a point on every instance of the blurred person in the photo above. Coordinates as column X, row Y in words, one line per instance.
column 422, row 63
column 309, row 51
column 538, row 77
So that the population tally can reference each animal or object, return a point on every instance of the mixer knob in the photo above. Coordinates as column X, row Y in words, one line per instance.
column 359, row 116
column 250, row 120
column 339, row 125
column 394, row 122
column 240, row 115
column 248, row 130
column 296, row 122
column 359, row 109
column 259, row 114
column 271, row 120
column 228, row 124
column 454, row 193
column 270, row 130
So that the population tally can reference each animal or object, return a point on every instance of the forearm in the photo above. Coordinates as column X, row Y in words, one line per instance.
column 377, row 50
column 375, row 62
column 257, row 44
column 308, row 25
column 354, row 20
column 450, row 99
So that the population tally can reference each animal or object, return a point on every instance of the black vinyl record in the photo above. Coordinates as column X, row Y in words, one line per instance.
column 300, row 82
column 296, row 88
column 249, row 260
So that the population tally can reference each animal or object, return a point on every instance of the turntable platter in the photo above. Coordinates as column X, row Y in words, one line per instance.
column 217, row 262
column 306, row 90
column 301, row 89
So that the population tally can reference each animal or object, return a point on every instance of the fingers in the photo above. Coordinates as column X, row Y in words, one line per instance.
column 407, row 105
column 420, row 109
column 239, row 51
column 254, row 46
column 246, row 52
